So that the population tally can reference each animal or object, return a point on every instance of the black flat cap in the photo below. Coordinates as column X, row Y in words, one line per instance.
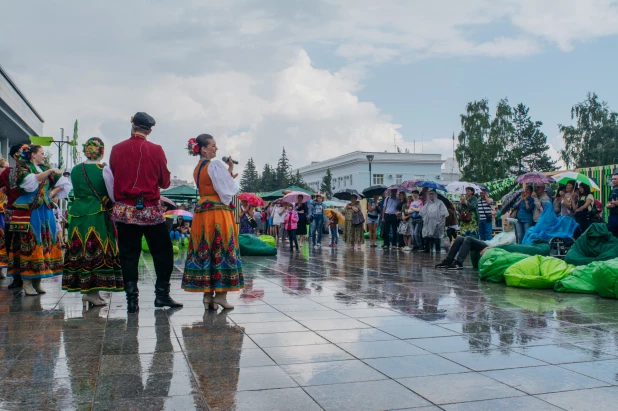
column 144, row 120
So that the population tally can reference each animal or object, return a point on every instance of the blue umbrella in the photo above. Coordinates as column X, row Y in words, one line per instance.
column 431, row 184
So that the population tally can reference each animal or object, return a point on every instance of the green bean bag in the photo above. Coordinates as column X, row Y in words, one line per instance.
column 495, row 261
column 268, row 239
column 605, row 277
column 250, row 245
column 537, row 272
column 579, row 281
column 536, row 249
column 596, row 244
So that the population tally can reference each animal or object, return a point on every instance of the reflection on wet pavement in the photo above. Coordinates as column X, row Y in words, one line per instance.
column 325, row 329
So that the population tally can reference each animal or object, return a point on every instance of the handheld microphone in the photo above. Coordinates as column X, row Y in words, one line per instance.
column 225, row 159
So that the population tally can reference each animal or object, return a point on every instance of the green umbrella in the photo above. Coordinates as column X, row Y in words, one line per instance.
column 567, row 176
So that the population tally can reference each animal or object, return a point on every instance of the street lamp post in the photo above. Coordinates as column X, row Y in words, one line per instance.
column 370, row 159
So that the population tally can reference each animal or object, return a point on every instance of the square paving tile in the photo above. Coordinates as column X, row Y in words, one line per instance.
column 456, row 343
column 452, row 388
column 288, row 339
column 274, row 327
column 334, row 324
column 492, row 360
column 424, row 330
column 356, row 335
column 545, row 379
column 258, row 318
column 503, row 404
column 373, row 395
column 377, row 349
column 334, row 372
column 415, row 366
column 307, row 354
column 601, row 370
column 563, row 354
column 596, row 399
column 263, row 378
column 287, row 399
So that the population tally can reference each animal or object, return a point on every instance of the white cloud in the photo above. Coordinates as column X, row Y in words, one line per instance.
column 239, row 69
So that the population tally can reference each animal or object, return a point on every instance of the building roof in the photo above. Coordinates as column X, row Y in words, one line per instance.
column 379, row 157
column 18, row 91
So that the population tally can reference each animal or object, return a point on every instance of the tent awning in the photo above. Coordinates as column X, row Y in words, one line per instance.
column 183, row 192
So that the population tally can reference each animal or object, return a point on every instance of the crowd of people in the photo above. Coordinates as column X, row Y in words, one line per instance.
column 115, row 206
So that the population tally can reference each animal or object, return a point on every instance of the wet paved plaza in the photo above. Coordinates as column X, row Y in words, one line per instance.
column 324, row 329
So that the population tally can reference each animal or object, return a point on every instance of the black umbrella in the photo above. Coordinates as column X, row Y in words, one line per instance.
column 374, row 190
column 446, row 201
column 509, row 199
column 346, row 194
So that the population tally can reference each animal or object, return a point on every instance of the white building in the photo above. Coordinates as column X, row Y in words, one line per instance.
column 175, row 182
column 352, row 170
column 450, row 171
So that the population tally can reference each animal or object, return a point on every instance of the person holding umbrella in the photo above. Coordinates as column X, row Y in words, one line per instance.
column 584, row 206
column 353, row 229
column 303, row 214
column 434, row 215
column 317, row 222
column 389, row 220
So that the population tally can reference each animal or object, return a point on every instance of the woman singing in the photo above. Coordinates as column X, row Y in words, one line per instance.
column 91, row 261
column 213, row 259
column 34, row 252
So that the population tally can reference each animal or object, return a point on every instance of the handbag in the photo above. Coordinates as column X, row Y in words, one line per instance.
column 403, row 228
column 358, row 218
column 251, row 221
column 465, row 216
column 107, row 203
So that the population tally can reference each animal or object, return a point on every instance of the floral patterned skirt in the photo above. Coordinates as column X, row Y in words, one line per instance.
column 213, row 257
column 35, row 253
column 91, row 260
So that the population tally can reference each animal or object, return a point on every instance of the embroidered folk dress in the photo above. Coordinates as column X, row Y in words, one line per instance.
column 34, row 251
column 91, row 260
column 213, row 257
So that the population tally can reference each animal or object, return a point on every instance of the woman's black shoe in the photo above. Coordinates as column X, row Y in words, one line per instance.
column 162, row 296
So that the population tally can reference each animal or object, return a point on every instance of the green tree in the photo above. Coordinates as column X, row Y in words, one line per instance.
column 298, row 181
column 529, row 150
column 499, row 141
column 471, row 153
column 250, row 179
column 283, row 172
column 594, row 139
column 327, row 184
column 267, row 181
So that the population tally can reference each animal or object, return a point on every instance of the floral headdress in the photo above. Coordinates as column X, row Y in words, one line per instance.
column 193, row 148
column 94, row 148
column 24, row 153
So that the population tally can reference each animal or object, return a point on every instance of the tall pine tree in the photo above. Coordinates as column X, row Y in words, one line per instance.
column 298, row 181
column 283, row 171
column 530, row 146
column 250, row 180
column 267, row 180
column 327, row 184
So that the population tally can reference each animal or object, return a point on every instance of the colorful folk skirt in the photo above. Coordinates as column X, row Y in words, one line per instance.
column 34, row 252
column 213, row 257
column 91, row 260
column 4, row 257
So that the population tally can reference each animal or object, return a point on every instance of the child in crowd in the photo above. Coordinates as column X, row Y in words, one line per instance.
column 333, row 224
column 290, row 224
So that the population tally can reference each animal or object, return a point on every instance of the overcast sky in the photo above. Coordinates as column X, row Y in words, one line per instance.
column 320, row 77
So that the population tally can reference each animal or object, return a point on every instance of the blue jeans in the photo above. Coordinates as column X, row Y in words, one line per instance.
column 417, row 229
column 485, row 232
column 521, row 229
column 176, row 235
column 316, row 228
column 334, row 235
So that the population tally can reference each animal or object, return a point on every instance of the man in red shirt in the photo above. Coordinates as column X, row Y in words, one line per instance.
column 12, row 193
column 140, row 170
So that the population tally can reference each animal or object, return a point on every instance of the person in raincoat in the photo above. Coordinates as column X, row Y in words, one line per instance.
column 434, row 215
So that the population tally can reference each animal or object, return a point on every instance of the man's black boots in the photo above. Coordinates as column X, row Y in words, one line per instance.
column 162, row 296
column 130, row 288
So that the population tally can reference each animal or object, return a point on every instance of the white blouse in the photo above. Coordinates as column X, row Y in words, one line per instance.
column 31, row 184
column 223, row 183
